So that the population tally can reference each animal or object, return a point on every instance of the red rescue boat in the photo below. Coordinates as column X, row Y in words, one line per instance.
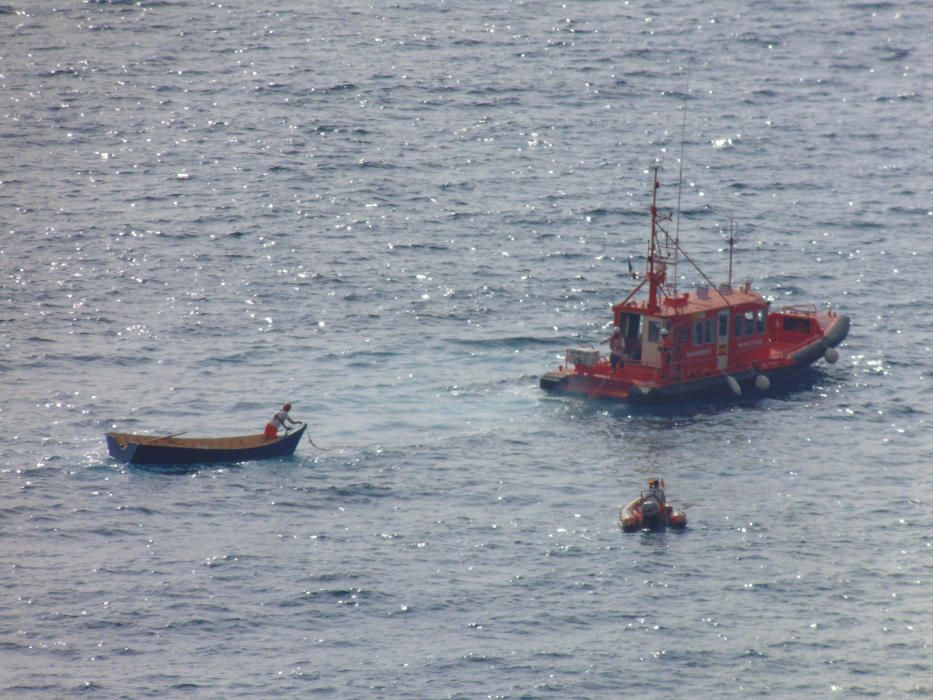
column 712, row 340
column 651, row 511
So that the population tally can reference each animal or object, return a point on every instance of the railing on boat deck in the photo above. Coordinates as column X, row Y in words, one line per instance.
column 804, row 309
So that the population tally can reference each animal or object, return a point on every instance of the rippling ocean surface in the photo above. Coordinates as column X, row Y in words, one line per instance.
column 397, row 216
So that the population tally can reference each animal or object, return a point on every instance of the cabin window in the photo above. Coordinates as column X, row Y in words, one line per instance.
column 749, row 323
column 698, row 333
column 630, row 325
column 738, row 325
column 796, row 325
column 760, row 322
column 723, row 325
column 710, row 330
column 654, row 331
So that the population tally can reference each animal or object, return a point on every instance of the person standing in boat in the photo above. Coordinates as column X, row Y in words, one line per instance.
column 656, row 492
column 616, row 349
column 281, row 419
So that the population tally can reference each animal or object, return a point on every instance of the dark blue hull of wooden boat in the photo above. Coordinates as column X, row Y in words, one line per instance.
column 153, row 453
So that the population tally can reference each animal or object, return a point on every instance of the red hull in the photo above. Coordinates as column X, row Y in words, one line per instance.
column 777, row 358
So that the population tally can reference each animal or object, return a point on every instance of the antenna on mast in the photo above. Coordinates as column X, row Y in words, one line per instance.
column 680, row 180
column 731, row 248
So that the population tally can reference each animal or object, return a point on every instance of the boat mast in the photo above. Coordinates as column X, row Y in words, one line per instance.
column 656, row 273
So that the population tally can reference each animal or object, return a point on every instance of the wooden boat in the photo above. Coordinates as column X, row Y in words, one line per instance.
column 646, row 513
column 174, row 450
column 714, row 340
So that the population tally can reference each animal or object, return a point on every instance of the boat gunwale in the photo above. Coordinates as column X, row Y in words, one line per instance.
column 232, row 442
column 153, row 451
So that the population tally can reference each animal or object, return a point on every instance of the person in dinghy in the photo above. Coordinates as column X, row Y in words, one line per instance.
column 655, row 493
column 651, row 510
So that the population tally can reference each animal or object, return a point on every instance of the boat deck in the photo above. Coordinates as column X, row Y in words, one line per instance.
column 205, row 443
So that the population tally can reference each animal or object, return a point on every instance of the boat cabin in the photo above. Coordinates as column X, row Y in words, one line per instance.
column 696, row 333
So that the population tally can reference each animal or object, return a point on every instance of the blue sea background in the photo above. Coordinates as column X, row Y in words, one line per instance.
column 397, row 215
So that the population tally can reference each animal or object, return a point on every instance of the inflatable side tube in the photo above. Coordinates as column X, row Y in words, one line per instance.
column 701, row 388
column 630, row 517
column 837, row 332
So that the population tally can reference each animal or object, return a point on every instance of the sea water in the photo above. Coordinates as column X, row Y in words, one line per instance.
column 397, row 216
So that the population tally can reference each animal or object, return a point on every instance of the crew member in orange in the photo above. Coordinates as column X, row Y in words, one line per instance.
column 281, row 419
column 656, row 492
column 617, row 349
